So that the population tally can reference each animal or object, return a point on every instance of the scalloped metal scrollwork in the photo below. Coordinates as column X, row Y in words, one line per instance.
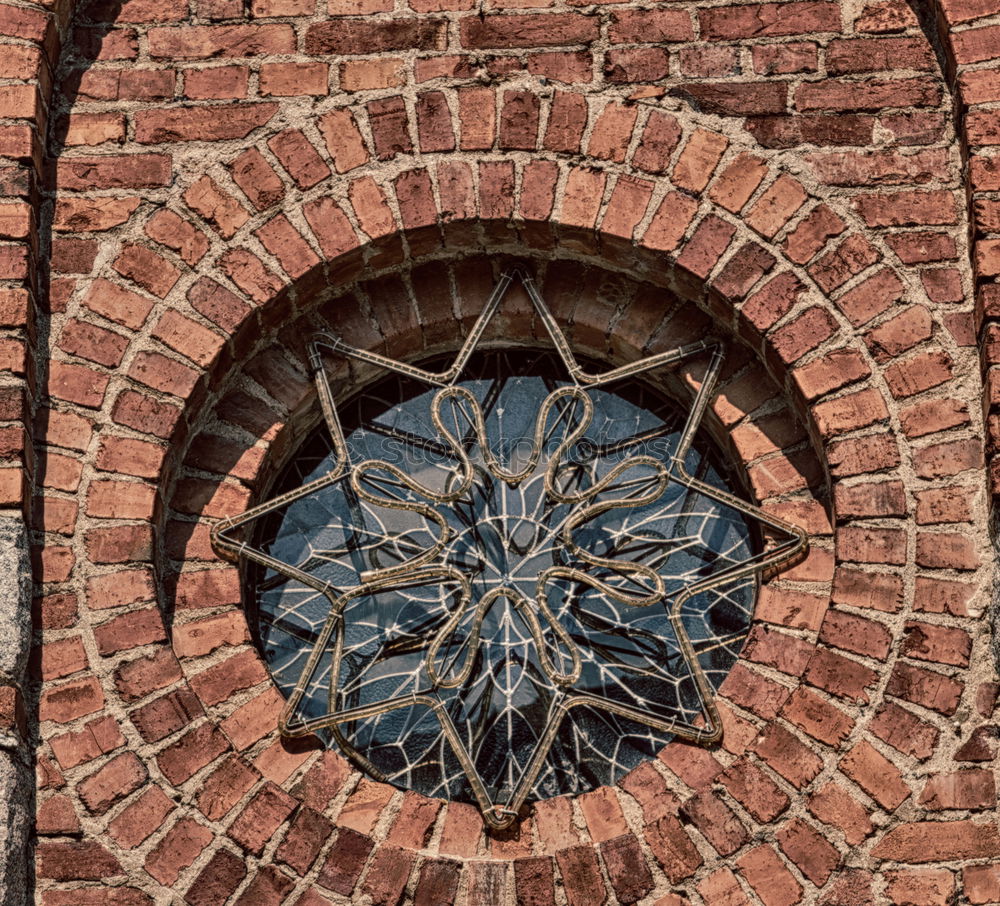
column 562, row 549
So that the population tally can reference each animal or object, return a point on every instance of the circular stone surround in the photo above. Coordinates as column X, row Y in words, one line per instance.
column 752, row 416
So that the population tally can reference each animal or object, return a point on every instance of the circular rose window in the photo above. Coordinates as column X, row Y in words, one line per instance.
column 508, row 579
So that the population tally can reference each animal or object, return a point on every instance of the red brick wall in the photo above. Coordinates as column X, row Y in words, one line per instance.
column 210, row 180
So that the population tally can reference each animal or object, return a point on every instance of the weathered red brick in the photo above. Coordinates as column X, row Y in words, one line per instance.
column 696, row 767
column 933, row 595
column 856, row 634
column 57, row 817
column 767, row 874
column 632, row 65
column 257, row 178
column 854, row 456
column 819, row 718
column 868, row 167
column 261, row 818
column 129, row 171
column 177, row 850
column 876, row 775
column 939, row 841
column 220, row 210
column 698, row 160
column 197, row 748
column 777, row 649
column 203, row 42
column 414, row 822
column 293, row 79
column 130, row 630
column 755, row 790
column 62, row 657
column 254, row 720
column 358, row 36
column 946, row 550
column 925, row 687
column 754, row 692
column 788, row 756
column 550, row 29
column 99, row 736
column 67, row 701
column 612, row 132
column 834, row 805
column 672, row 848
column 981, row 883
column 950, row 458
column 757, row 20
column 143, row 816
column 625, row 862
column 721, row 886
column 225, row 787
column 217, row 880
column 939, row 644
column 306, row 837
column 581, row 875
column 809, row 850
column 217, row 83
column 76, row 384
column 84, row 860
column 972, row 788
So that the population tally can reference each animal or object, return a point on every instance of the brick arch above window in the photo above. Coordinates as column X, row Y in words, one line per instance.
column 41, row 29
column 709, row 220
column 602, row 821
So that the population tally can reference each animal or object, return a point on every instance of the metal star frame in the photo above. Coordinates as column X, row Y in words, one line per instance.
column 449, row 655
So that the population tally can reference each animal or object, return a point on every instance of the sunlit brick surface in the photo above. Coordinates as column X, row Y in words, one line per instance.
column 209, row 181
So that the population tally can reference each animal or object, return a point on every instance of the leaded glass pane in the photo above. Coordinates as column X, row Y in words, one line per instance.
column 503, row 536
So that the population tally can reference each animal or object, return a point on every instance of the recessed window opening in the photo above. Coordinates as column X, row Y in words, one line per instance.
column 509, row 579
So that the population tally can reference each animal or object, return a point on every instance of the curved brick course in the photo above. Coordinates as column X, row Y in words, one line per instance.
column 226, row 180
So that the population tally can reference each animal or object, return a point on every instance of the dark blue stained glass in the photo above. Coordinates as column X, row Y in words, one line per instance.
column 504, row 536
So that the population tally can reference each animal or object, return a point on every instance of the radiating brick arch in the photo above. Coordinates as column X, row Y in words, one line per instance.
column 651, row 195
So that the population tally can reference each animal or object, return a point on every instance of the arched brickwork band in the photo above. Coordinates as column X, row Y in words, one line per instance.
column 806, row 674
column 855, row 760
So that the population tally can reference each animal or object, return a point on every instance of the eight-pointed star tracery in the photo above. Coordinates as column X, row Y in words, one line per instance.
column 555, row 555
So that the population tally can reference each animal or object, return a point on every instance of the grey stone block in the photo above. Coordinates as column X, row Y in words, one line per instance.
column 16, row 813
column 16, row 778
column 15, row 598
